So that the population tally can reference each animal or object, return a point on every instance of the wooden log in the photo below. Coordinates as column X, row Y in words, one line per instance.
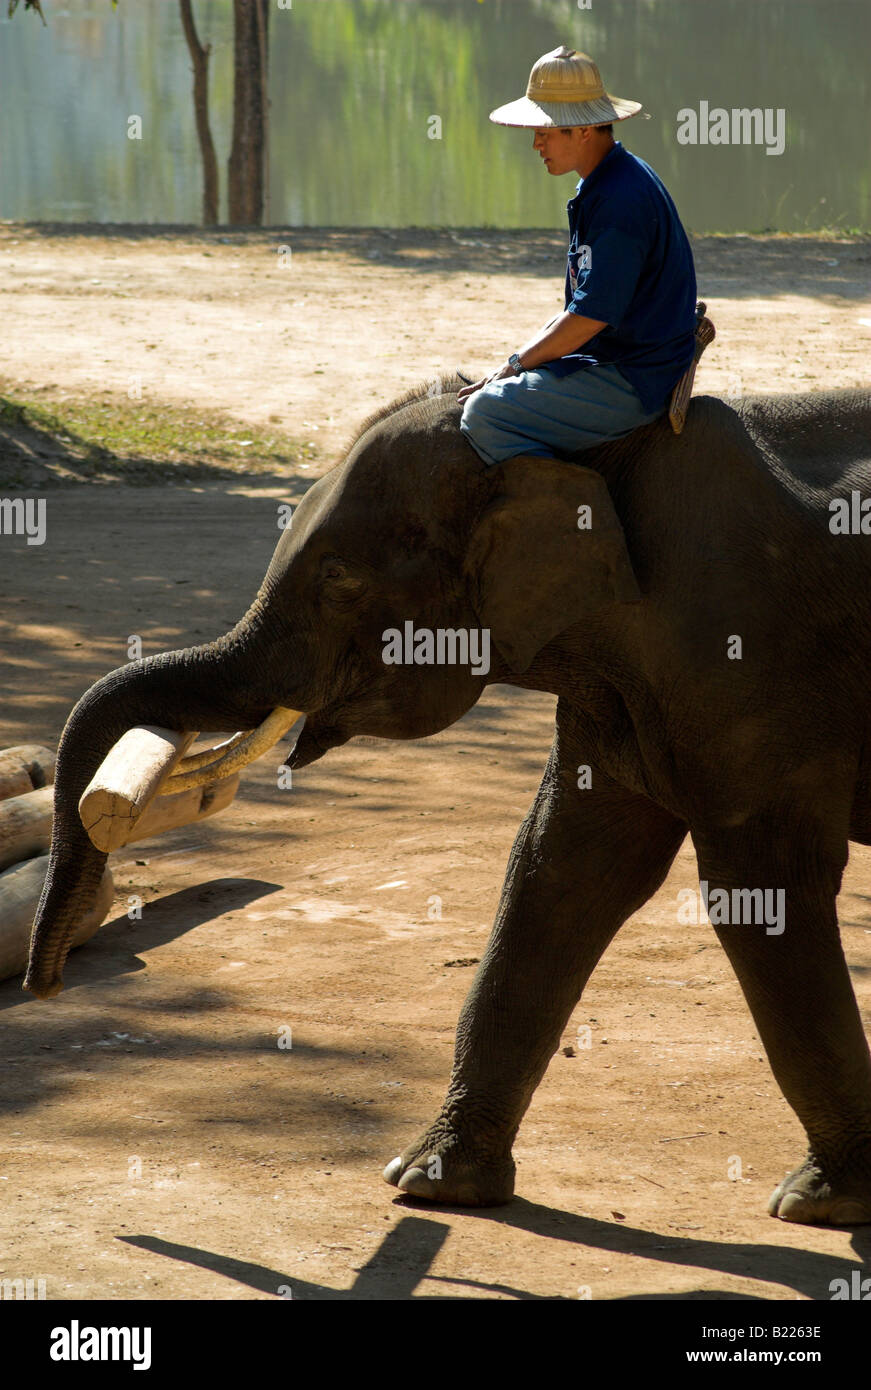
column 19, row 897
column 25, row 825
column 170, row 812
column 128, row 778
column 25, row 768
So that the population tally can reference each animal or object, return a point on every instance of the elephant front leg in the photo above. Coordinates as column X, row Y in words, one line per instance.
column 582, row 863
column 797, row 984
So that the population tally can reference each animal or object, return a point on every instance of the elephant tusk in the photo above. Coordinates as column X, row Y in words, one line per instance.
column 206, row 756
column 230, row 757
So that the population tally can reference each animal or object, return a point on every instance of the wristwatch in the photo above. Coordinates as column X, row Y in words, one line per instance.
column 514, row 361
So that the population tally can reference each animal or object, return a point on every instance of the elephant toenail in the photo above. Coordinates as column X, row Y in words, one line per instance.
column 416, row 1183
column 392, row 1171
column 794, row 1207
column 850, row 1213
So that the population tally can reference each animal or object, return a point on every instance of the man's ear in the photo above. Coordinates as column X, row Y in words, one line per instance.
column 548, row 550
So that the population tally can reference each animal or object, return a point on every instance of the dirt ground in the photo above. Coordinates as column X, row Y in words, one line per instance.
column 184, row 1153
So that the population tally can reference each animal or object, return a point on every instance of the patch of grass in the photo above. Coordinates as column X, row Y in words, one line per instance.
column 831, row 233
column 98, row 432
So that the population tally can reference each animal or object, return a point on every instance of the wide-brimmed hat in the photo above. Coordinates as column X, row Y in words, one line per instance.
column 565, row 89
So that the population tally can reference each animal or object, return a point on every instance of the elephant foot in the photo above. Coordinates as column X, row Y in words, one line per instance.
column 810, row 1197
column 441, row 1167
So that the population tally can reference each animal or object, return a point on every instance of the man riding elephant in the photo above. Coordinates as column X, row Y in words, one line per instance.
column 609, row 362
column 719, row 537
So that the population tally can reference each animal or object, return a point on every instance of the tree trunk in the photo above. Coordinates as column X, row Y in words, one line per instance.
column 200, row 59
column 247, row 163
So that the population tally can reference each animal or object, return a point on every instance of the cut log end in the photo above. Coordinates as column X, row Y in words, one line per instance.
column 128, row 778
column 25, row 826
column 25, row 768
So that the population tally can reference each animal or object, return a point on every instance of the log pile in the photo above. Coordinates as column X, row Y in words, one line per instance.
column 129, row 799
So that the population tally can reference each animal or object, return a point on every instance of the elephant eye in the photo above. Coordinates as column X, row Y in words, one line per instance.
column 342, row 584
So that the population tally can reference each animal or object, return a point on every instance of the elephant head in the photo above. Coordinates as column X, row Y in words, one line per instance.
column 410, row 534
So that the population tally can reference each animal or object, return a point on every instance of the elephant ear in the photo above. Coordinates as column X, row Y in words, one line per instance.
column 547, row 551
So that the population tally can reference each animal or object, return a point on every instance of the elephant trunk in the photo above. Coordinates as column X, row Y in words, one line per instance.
column 199, row 688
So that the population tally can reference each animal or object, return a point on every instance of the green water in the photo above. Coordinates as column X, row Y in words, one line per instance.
column 354, row 85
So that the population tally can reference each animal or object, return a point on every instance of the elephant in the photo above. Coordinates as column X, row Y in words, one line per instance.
column 706, row 630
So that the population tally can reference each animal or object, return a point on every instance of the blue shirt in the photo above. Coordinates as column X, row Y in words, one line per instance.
column 637, row 276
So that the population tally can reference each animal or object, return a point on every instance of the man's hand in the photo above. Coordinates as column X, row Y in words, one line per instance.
column 564, row 334
column 467, row 391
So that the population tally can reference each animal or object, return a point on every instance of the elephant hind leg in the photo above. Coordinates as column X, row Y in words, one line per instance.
column 795, row 979
column 583, row 861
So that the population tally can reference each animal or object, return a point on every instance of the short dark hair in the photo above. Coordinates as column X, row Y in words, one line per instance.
column 567, row 129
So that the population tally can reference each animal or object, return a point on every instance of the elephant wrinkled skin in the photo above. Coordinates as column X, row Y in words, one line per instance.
column 708, row 637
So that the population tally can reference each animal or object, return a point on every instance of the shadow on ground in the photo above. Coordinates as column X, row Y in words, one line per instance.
column 400, row 1267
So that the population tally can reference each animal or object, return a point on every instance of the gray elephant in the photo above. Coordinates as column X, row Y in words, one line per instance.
column 705, row 624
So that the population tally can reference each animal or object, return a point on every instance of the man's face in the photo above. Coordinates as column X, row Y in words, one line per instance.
column 561, row 150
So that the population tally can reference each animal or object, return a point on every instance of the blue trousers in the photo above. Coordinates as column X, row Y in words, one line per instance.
column 542, row 413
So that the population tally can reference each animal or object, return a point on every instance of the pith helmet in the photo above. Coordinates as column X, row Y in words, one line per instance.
column 565, row 89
